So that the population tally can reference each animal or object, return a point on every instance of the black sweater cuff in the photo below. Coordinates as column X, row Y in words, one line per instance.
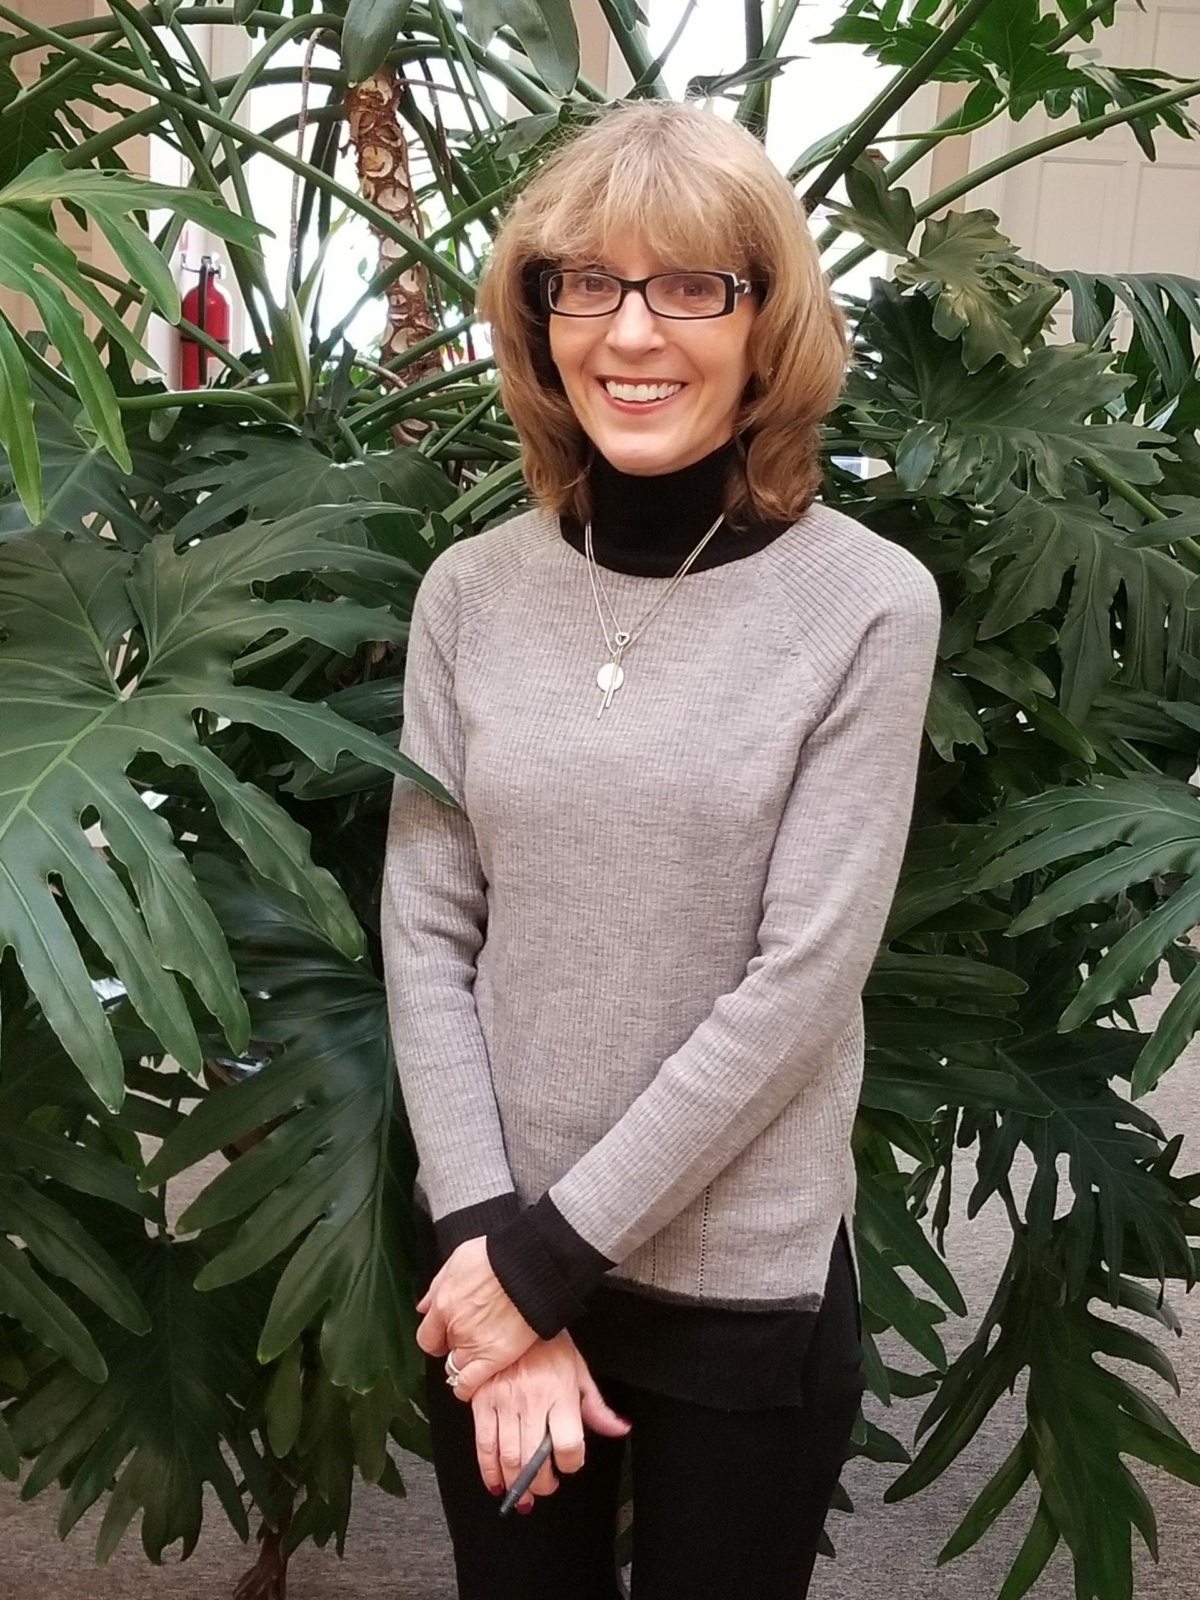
column 545, row 1267
column 469, row 1222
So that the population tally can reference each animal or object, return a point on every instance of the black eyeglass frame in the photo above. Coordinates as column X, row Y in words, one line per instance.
column 734, row 287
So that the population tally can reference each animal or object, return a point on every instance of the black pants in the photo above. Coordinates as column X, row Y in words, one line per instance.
column 728, row 1505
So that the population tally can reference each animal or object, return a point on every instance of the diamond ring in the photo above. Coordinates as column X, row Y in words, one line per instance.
column 453, row 1374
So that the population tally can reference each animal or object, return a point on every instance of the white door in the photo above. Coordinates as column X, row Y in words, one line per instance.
column 1099, row 204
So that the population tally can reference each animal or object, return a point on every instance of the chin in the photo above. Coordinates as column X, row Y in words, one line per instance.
column 646, row 458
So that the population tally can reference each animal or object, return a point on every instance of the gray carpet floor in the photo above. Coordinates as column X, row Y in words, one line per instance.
column 399, row 1549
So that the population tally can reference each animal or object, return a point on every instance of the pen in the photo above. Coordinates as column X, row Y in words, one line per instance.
column 527, row 1474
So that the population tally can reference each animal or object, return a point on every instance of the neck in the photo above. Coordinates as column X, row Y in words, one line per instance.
column 647, row 526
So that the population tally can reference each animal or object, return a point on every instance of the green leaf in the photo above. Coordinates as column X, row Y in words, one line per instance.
column 1169, row 341
column 145, row 265
column 950, row 717
column 1001, row 419
column 883, row 1217
column 35, row 262
column 284, row 1402
column 27, row 1298
column 121, row 193
column 336, row 1175
column 26, row 1148
column 1174, row 1031
column 16, row 424
column 268, row 478
column 995, row 1496
column 883, row 217
column 1037, row 544
column 1102, row 1142
column 368, row 33
column 65, row 1249
column 152, row 1430
column 886, row 1295
column 1140, row 950
column 86, row 493
column 66, row 609
column 1038, row 1545
column 976, row 266
column 546, row 29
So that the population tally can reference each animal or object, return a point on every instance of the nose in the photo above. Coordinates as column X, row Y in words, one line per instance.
column 633, row 326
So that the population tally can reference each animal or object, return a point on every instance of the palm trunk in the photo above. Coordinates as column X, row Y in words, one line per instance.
column 381, row 150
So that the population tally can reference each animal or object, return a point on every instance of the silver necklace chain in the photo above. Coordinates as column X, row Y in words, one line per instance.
column 612, row 674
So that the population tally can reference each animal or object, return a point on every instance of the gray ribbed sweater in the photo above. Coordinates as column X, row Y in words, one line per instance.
column 627, row 971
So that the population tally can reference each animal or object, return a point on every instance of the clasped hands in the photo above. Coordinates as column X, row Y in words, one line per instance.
column 517, row 1384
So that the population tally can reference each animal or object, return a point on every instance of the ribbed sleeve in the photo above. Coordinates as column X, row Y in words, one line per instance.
column 830, row 882
column 434, row 920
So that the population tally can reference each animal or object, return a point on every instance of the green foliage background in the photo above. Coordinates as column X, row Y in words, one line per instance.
column 204, row 599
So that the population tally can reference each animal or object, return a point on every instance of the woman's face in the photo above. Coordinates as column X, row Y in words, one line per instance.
column 704, row 361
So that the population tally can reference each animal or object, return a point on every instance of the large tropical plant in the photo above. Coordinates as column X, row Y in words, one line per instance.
column 203, row 605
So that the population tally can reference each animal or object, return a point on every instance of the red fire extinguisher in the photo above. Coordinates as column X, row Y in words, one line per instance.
column 207, row 305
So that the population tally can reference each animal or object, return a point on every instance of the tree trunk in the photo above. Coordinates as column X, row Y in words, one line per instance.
column 381, row 150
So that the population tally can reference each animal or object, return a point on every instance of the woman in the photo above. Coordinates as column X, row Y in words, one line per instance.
column 679, row 708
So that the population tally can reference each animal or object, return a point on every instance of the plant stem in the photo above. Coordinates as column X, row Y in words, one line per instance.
column 948, row 128
column 881, row 110
column 131, row 292
column 1027, row 152
column 460, row 509
column 1085, row 18
column 1140, row 502
column 247, row 264
column 222, row 124
column 753, row 106
column 635, row 52
column 21, row 102
column 393, row 270
column 752, row 12
column 664, row 55
column 466, row 60
column 381, row 413
column 256, row 397
column 439, row 441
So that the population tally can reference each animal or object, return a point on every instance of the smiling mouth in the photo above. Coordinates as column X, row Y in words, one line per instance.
column 639, row 393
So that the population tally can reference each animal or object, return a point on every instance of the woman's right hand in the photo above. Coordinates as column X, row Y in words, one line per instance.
column 548, row 1387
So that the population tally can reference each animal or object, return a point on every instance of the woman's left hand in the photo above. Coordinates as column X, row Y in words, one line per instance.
column 467, row 1314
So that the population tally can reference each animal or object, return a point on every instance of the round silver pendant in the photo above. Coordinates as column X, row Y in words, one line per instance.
column 610, row 676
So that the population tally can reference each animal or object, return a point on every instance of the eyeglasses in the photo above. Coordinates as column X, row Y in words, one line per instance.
column 584, row 293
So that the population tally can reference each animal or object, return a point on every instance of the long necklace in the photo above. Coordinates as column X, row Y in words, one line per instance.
column 612, row 674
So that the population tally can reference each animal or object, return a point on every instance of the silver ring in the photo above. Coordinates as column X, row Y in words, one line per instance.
column 453, row 1374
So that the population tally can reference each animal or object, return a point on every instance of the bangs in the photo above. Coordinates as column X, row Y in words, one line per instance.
column 688, row 216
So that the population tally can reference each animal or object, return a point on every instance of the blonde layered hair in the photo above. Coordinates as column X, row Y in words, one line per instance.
column 698, row 192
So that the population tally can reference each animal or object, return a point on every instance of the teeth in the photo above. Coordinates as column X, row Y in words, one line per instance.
column 642, row 391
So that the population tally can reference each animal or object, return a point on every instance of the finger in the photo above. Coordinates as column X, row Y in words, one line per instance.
column 487, row 1447
column 474, row 1373
column 566, row 1429
column 596, row 1412
column 543, row 1482
column 423, row 1302
column 508, row 1444
column 431, row 1334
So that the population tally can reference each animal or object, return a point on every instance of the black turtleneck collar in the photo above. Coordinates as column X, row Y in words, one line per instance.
column 648, row 526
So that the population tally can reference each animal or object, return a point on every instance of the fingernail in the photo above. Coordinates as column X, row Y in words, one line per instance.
column 524, row 1510
column 495, row 1488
